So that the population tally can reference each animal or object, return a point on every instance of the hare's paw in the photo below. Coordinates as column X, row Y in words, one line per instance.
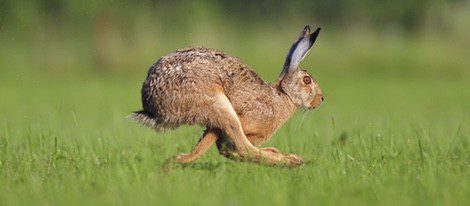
column 183, row 158
column 293, row 160
column 270, row 149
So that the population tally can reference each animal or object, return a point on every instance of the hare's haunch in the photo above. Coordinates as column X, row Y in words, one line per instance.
column 239, row 110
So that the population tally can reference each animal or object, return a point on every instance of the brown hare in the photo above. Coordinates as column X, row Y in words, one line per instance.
column 239, row 110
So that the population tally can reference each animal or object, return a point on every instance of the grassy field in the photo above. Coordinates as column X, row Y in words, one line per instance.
column 374, row 141
column 394, row 129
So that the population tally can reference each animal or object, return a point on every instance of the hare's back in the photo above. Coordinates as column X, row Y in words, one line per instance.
column 201, row 67
column 189, row 68
column 184, row 80
column 183, row 86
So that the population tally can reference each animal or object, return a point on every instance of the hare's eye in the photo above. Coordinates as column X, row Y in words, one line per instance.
column 307, row 80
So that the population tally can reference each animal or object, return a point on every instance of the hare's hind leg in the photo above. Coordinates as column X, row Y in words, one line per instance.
column 207, row 140
column 227, row 120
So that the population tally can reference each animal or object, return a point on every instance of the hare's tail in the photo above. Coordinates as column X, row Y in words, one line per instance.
column 148, row 120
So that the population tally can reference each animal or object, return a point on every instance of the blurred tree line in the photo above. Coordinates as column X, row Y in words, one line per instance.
column 62, row 34
column 409, row 15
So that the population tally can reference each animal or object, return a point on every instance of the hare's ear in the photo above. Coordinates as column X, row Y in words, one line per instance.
column 299, row 49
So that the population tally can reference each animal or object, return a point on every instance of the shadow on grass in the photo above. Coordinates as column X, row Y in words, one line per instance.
column 209, row 166
column 170, row 165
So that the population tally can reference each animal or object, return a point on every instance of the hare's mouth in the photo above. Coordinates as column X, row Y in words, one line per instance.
column 317, row 101
column 313, row 107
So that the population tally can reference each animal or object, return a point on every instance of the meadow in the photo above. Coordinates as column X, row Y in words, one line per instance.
column 394, row 127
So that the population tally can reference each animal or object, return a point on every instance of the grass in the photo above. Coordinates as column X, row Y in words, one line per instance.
column 372, row 142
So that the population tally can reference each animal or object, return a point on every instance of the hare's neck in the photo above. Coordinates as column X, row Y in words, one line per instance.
column 285, row 107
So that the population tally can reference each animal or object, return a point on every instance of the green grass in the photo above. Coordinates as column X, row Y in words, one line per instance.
column 372, row 142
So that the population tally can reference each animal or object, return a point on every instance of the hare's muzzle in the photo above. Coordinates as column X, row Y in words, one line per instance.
column 317, row 100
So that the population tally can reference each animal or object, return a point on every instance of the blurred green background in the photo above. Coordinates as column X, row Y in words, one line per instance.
column 362, row 38
column 393, row 128
column 410, row 56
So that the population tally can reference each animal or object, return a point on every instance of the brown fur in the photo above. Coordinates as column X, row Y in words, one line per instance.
column 208, row 87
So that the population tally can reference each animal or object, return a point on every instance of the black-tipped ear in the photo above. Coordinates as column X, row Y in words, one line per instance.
column 304, row 33
column 299, row 49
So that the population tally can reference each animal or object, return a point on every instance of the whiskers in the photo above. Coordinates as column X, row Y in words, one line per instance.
column 303, row 114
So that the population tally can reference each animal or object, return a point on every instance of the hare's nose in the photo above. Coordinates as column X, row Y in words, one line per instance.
column 320, row 96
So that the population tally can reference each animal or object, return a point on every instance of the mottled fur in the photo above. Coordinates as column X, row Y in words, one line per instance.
column 208, row 87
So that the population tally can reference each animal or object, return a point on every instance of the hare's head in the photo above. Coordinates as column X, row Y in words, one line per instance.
column 301, row 87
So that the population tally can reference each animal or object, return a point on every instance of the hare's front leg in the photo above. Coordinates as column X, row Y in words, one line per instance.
column 257, row 139
column 271, row 149
column 296, row 159
column 207, row 140
column 227, row 149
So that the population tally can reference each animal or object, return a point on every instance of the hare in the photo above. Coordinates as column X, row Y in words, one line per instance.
column 239, row 110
